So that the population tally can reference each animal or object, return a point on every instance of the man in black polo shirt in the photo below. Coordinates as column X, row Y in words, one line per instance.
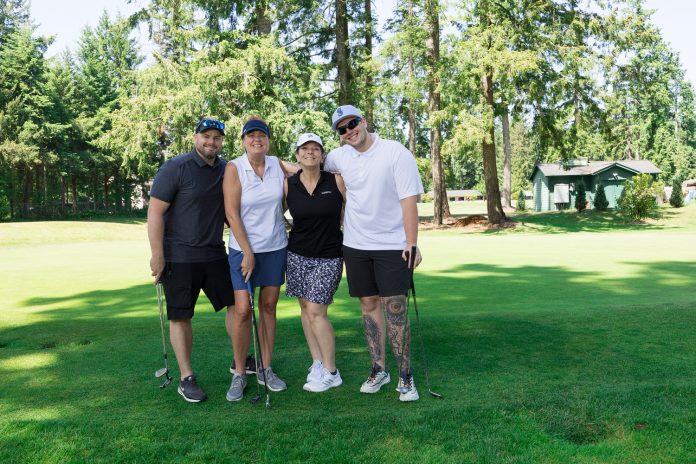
column 185, row 221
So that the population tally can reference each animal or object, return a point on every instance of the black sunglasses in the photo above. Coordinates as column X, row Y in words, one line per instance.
column 350, row 126
column 210, row 124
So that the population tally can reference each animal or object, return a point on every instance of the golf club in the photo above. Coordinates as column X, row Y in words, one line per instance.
column 412, row 266
column 257, row 343
column 412, row 292
column 165, row 369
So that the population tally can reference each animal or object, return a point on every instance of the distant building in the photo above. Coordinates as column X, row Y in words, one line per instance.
column 461, row 195
column 555, row 184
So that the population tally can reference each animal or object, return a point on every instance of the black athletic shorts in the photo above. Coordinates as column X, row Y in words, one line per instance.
column 183, row 282
column 375, row 272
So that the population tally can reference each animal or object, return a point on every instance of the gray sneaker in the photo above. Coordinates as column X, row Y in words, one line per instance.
column 189, row 389
column 271, row 380
column 236, row 390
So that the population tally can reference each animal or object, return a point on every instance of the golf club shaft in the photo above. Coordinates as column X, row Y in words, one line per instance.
column 411, row 260
column 258, row 343
column 160, row 304
column 418, row 328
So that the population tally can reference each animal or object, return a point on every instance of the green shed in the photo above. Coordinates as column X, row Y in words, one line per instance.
column 555, row 184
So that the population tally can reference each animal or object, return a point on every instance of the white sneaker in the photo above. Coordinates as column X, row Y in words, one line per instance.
column 374, row 382
column 407, row 389
column 327, row 381
column 315, row 372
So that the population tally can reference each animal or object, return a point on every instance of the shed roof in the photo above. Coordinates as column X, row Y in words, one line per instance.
column 594, row 167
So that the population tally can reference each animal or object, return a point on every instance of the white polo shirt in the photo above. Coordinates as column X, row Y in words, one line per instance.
column 262, row 205
column 376, row 181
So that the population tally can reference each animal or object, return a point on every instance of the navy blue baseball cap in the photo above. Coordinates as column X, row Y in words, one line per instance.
column 210, row 123
column 256, row 125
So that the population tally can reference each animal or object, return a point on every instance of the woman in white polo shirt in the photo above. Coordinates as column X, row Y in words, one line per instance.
column 253, row 191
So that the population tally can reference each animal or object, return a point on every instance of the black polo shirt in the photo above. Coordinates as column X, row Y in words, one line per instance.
column 194, row 221
column 316, row 219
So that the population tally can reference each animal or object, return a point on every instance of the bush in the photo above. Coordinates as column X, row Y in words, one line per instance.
column 676, row 199
column 580, row 197
column 521, row 203
column 638, row 197
column 426, row 198
column 600, row 200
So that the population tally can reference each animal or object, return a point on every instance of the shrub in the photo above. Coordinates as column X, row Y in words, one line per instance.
column 638, row 197
column 676, row 199
column 521, row 203
column 426, row 198
column 600, row 200
column 580, row 197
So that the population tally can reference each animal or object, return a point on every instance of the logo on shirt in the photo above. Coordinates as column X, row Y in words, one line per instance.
column 325, row 192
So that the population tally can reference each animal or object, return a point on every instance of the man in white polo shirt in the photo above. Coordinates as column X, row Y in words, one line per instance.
column 380, row 227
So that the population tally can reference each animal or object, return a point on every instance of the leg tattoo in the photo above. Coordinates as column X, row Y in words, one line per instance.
column 374, row 338
column 398, row 330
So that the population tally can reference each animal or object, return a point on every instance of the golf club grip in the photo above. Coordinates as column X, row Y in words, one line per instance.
column 412, row 258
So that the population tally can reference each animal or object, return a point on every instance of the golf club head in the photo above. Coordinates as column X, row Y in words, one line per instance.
column 161, row 372
column 166, row 382
column 268, row 402
column 436, row 395
column 256, row 399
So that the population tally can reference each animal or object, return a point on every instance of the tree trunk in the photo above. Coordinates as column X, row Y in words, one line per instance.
column 105, row 188
column 62, row 193
column 411, row 103
column 440, row 204
column 411, row 128
column 490, row 170
column 342, row 54
column 263, row 20
column 74, row 192
column 28, row 180
column 369, row 99
column 507, row 161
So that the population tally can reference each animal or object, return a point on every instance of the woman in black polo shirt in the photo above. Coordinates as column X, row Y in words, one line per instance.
column 315, row 264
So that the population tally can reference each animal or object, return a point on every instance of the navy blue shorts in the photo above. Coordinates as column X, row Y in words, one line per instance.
column 269, row 269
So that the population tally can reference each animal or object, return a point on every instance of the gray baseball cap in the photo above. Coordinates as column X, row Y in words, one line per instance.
column 343, row 112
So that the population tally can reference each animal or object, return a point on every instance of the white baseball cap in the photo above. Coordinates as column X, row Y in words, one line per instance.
column 343, row 112
column 309, row 137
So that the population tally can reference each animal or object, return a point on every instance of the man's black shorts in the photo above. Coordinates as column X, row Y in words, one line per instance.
column 183, row 282
column 376, row 272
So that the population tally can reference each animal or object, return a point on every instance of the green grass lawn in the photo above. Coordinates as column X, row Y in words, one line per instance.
column 569, row 339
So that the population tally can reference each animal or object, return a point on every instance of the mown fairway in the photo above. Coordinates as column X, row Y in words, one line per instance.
column 563, row 341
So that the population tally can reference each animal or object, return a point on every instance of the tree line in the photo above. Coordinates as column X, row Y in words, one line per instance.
column 478, row 90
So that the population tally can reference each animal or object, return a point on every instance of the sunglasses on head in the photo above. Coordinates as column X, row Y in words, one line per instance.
column 210, row 124
column 350, row 126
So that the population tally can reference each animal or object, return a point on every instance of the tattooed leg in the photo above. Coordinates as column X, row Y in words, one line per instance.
column 398, row 330
column 373, row 322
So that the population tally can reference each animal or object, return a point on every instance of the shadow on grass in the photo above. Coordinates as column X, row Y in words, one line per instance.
column 587, row 221
column 569, row 355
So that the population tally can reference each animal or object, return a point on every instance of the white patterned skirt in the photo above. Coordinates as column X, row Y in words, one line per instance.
column 314, row 279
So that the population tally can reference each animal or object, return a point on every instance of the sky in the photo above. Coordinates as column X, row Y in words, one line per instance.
column 67, row 18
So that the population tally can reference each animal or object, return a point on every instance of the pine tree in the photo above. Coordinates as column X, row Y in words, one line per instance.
column 600, row 200
column 581, row 197
column 521, row 201
column 676, row 199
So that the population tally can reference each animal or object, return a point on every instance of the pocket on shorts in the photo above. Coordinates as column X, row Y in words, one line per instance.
column 179, row 296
